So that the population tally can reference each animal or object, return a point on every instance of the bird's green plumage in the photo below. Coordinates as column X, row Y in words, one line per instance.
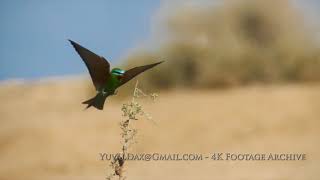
column 108, row 89
column 105, row 81
column 113, row 81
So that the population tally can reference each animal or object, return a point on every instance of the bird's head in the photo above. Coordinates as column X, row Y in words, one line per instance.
column 117, row 71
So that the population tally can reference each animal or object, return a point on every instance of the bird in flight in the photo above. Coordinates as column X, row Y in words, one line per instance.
column 105, row 82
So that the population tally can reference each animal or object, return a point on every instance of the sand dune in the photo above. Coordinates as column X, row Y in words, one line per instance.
column 45, row 134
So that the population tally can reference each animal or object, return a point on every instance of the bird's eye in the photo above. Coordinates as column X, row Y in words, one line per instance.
column 119, row 72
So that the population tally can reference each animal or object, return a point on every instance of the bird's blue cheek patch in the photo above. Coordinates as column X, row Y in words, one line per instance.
column 118, row 72
column 121, row 71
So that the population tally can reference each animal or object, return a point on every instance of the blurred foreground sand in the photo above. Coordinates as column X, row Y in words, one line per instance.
column 45, row 134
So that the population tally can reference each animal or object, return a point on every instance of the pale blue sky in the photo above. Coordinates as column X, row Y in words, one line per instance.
column 34, row 33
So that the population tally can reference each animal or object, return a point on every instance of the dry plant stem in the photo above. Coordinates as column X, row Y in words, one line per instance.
column 130, row 112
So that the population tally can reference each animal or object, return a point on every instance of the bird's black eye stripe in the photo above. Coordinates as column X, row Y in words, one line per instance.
column 117, row 73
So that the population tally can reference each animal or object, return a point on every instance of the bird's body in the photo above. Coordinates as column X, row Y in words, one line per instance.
column 105, row 82
column 112, row 83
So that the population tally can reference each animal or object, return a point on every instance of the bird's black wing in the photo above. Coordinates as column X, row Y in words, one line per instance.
column 131, row 73
column 98, row 66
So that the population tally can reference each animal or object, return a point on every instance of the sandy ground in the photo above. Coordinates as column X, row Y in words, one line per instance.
column 45, row 134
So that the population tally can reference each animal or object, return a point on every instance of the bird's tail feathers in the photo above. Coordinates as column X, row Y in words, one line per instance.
column 97, row 101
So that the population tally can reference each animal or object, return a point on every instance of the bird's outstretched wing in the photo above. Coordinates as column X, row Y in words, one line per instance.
column 131, row 73
column 98, row 66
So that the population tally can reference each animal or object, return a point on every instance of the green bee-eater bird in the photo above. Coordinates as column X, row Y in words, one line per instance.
column 105, row 82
